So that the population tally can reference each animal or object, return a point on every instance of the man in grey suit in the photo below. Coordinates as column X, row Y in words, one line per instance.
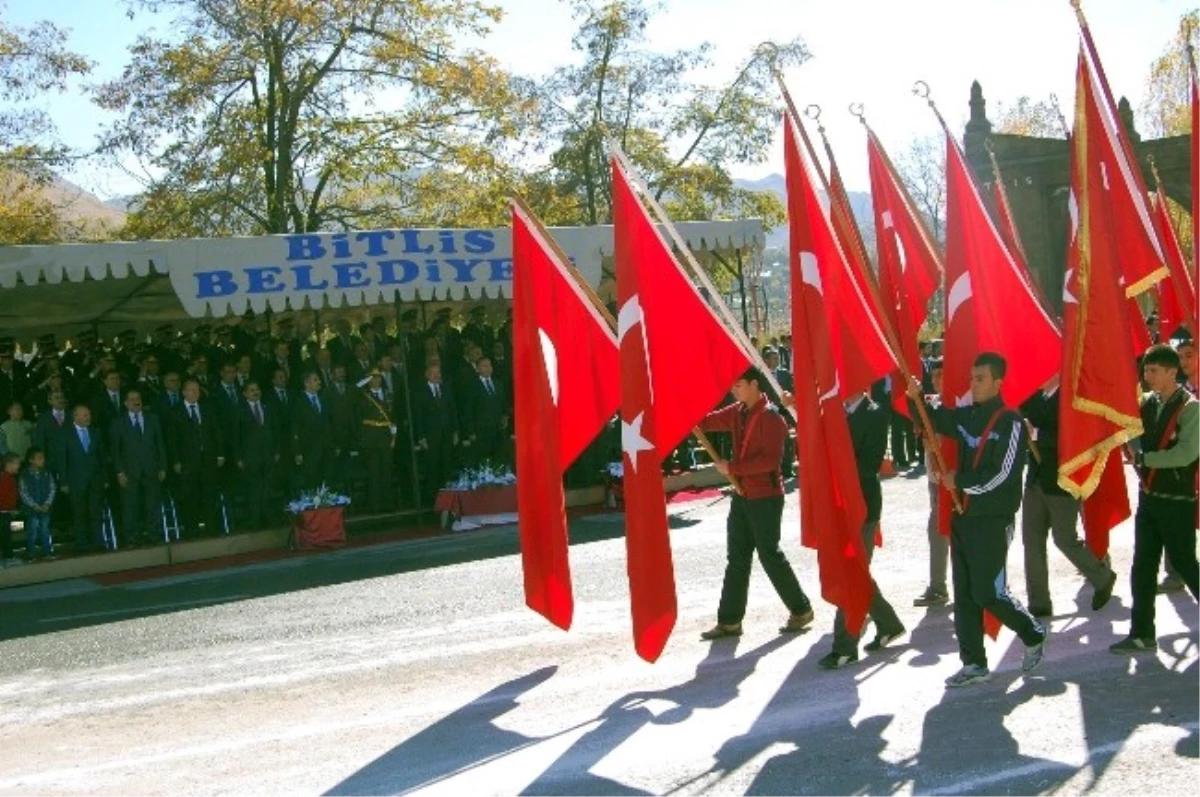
column 139, row 458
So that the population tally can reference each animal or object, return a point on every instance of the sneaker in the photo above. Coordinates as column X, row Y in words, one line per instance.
column 719, row 631
column 1134, row 645
column 971, row 674
column 1103, row 595
column 881, row 641
column 932, row 597
column 1170, row 584
column 835, row 660
column 1035, row 654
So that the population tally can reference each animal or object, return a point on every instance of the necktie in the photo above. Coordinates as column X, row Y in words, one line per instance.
column 282, row 395
column 258, row 418
column 137, row 421
column 194, row 413
column 232, row 395
column 115, row 400
column 491, row 390
column 174, row 399
column 437, row 391
column 85, row 439
column 316, row 402
column 58, row 417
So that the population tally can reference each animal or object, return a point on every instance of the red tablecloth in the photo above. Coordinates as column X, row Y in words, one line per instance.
column 483, row 501
column 319, row 528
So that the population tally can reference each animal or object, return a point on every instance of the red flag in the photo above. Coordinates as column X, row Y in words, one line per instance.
column 565, row 362
column 677, row 361
column 832, row 510
column 1195, row 177
column 1108, row 507
column 1142, row 262
column 910, row 260
column 989, row 304
column 1099, row 400
column 1177, row 293
column 860, row 350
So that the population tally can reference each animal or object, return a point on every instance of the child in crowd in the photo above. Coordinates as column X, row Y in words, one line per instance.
column 8, row 506
column 37, row 496
column 16, row 433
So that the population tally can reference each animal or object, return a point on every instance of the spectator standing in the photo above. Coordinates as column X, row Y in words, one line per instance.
column 37, row 498
column 16, row 433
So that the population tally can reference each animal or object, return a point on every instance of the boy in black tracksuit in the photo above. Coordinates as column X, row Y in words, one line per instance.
column 991, row 457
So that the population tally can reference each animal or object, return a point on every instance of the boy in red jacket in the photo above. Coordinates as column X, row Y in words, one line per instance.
column 9, row 498
column 754, row 514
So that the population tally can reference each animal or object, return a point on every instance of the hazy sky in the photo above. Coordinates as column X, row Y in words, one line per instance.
column 867, row 51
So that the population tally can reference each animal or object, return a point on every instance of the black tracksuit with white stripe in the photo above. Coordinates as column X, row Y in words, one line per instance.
column 980, row 536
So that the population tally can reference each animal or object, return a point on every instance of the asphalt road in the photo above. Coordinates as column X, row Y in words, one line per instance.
column 415, row 667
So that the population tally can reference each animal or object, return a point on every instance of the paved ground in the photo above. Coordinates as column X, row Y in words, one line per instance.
column 415, row 667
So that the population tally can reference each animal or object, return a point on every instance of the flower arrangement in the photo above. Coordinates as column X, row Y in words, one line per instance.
column 321, row 498
column 614, row 485
column 615, row 470
column 484, row 475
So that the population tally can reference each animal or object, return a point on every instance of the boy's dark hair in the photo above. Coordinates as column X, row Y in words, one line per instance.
column 1162, row 355
column 752, row 374
column 993, row 362
column 33, row 452
column 9, row 458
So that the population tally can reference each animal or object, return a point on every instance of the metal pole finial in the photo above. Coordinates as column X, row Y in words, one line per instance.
column 857, row 111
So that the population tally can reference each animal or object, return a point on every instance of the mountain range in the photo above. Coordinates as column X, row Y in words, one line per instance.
column 860, row 204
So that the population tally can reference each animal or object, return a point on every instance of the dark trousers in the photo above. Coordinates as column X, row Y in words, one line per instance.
column 978, row 554
column 141, row 508
column 6, row 543
column 314, row 470
column 198, row 500
column 753, row 525
column 87, row 510
column 256, row 491
column 436, row 466
column 1160, row 524
column 380, row 490
column 904, row 441
column 880, row 612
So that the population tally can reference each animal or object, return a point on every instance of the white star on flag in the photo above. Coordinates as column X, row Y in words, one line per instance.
column 632, row 441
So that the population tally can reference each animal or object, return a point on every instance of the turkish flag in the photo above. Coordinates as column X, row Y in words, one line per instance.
column 677, row 362
column 910, row 259
column 1142, row 261
column 989, row 303
column 1099, row 381
column 860, row 350
column 1177, row 293
column 832, row 510
column 565, row 367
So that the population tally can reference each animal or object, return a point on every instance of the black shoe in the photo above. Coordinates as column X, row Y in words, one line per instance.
column 835, row 660
column 881, row 641
column 1102, row 595
column 932, row 597
column 1134, row 646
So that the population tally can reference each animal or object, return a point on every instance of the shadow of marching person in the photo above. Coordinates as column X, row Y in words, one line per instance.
column 716, row 683
column 460, row 741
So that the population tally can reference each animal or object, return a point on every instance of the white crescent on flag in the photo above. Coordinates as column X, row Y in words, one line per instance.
column 809, row 272
column 550, row 361
column 960, row 292
column 1068, row 297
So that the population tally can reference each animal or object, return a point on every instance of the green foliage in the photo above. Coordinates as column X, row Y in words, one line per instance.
column 1165, row 111
column 274, row 116
column 683, row 136
column 1028, row 118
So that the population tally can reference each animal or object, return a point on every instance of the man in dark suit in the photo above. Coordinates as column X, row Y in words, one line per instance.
column 170, row 398
column 313, row 444
column 436, row 432
column 376, row 439
column 360, row 364
column 280, row 398
column 485, row 416
column 107, row 404
column 80, row 477
column 195, row 450
column 477, row 329
column 13, row 383
column 341, row 345
column 342, row 400
column 139, row 458
column 256, row 453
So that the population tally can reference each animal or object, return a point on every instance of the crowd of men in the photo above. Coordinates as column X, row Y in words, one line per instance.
column 219, row 428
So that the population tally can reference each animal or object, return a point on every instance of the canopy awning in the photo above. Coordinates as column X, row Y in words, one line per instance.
column 145, row 283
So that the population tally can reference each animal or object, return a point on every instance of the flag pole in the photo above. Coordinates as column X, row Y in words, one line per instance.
column 731, row 325
column 591, row 295
column 885, row 322
column 1179, row 281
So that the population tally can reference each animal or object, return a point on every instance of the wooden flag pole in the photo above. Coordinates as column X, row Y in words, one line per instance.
column 889, row 332
column 731, row 325
column 590, row 293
